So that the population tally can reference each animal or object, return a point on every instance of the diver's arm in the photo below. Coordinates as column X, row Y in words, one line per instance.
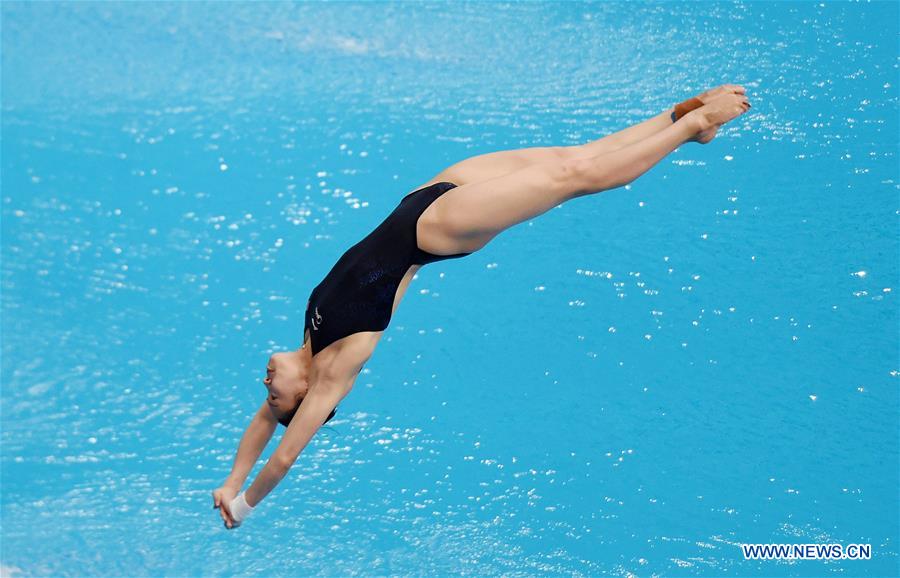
column 255, row 438
column 323, row 397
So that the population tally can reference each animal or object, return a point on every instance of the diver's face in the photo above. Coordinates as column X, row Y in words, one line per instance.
column 285, row 381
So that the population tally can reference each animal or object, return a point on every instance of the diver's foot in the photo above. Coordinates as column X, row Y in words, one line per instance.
column 695, row 102
column 721, row 109
column 712, row 93
column 705, row 136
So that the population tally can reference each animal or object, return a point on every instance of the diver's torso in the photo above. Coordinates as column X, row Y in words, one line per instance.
column 359, row 292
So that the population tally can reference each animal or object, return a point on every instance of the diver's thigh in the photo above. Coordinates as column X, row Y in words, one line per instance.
column 489, row 166
column 477, row 211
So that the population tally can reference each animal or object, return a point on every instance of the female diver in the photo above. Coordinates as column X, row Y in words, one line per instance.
column 454, row 214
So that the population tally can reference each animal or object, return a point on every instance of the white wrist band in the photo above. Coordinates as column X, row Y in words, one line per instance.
column 239, row 508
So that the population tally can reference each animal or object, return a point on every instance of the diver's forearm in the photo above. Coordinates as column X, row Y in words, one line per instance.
column 266, row 480
column 310, row 416
column 258, row 434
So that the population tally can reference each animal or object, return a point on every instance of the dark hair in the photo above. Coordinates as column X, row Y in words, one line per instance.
column 286, row 420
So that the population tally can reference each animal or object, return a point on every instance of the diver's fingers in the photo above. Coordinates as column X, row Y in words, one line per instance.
column 226, row 519
column 226, row 513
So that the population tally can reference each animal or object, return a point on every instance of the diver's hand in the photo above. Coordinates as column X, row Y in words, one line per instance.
column 222, row 498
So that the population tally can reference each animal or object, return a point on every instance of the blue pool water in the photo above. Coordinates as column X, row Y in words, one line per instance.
column 633, row 384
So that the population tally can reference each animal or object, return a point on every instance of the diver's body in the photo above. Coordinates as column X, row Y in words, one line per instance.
column 454, row 214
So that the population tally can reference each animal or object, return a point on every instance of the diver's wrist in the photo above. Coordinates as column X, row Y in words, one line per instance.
column 239, row 508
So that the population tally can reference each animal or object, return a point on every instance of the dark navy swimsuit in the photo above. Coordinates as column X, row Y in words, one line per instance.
column 358, row 293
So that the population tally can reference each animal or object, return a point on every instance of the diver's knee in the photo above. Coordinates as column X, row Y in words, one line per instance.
column 577, row 175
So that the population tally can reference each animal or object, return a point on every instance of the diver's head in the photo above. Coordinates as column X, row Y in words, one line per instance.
column 287, row 382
